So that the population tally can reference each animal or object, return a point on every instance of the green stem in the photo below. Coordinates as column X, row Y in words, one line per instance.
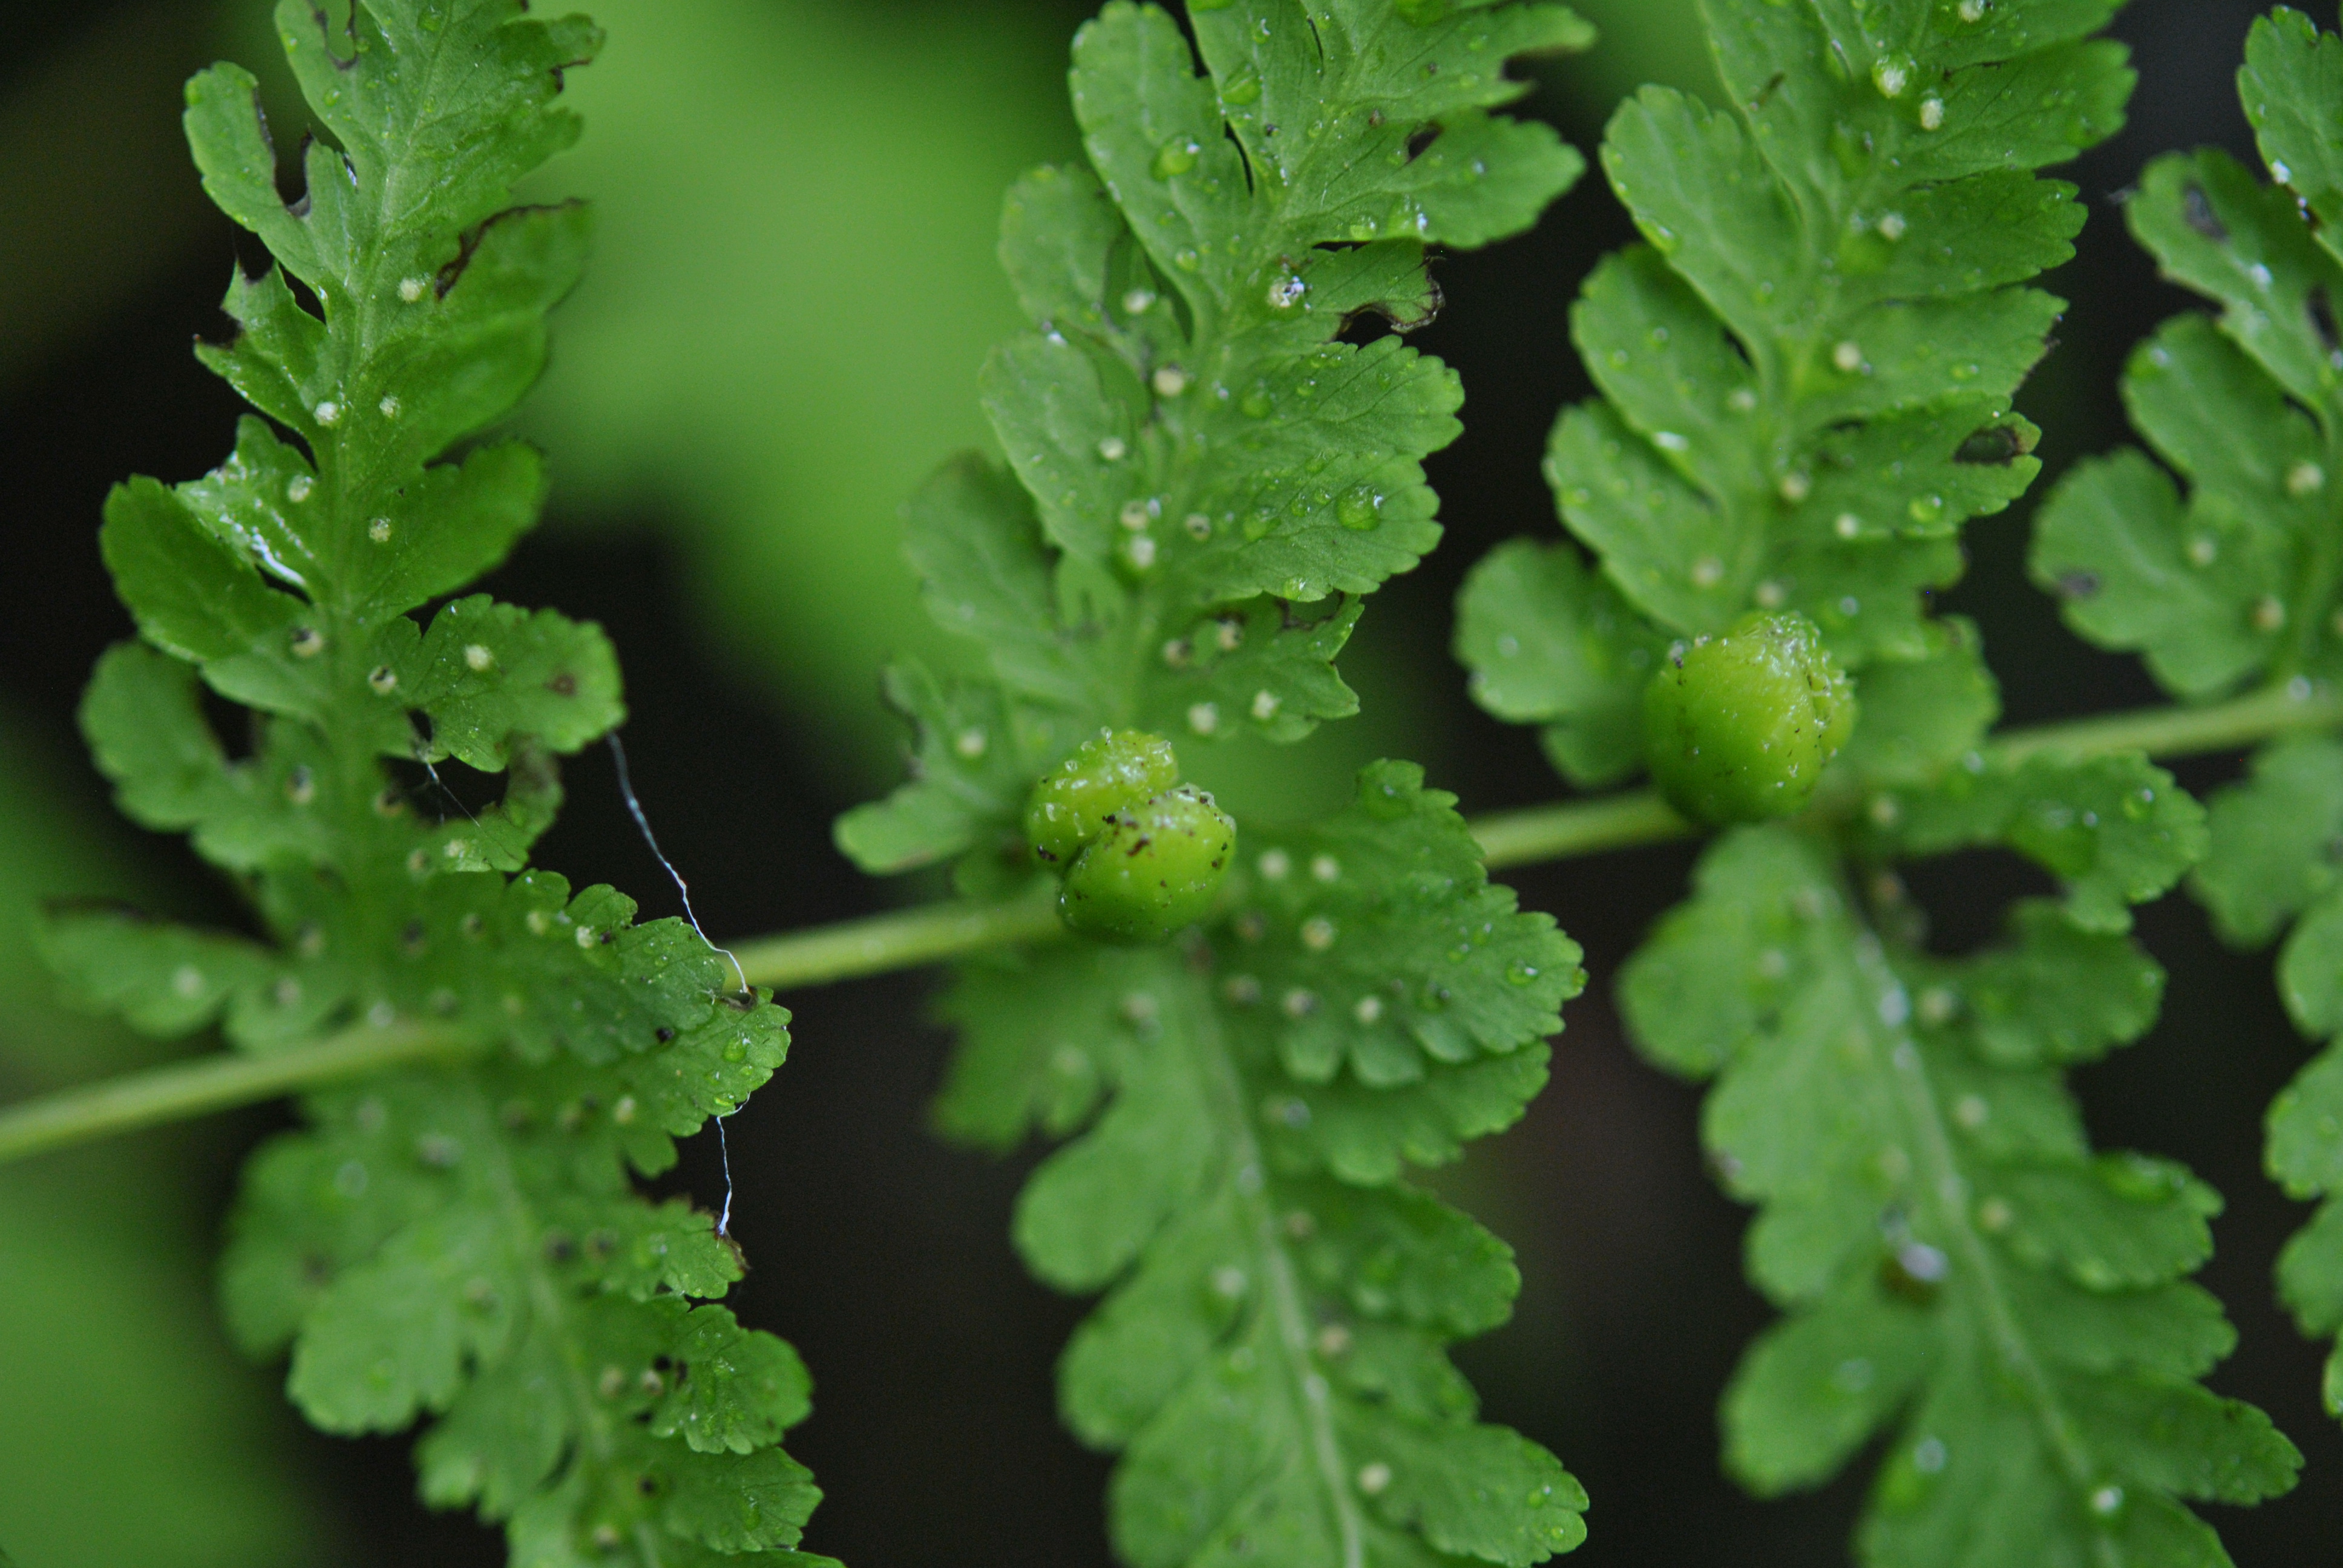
column 1578, row 828
column 2182, row 731
column 884, row 944
column 219, row 1082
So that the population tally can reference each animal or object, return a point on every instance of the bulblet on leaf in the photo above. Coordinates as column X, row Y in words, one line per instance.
column 1155, row 868
column 1739, row 728
column 1114, row 771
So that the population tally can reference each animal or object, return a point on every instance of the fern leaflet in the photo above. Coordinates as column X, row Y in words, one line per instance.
column 462, row 1244
column 1806, row 374
column 1958, row 1266
column 2240, row 582
column 1204, row 477
column 1203, row 481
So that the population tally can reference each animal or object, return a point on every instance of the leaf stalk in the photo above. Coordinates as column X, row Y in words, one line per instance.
column 221, row 1082
column 910, row 939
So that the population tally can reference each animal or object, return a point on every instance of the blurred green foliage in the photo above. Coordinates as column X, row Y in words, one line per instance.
column 769, row 378
column 129, row 1431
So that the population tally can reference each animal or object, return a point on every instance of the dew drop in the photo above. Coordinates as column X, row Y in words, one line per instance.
column 1176, row 157
column 1359, row 509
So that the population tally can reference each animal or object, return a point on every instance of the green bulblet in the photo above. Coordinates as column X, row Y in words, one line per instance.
column 1154, row 869
column 1738, row 728
column 1114, row 771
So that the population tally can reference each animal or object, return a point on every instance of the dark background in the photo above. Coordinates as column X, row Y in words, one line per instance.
column 882, row 1255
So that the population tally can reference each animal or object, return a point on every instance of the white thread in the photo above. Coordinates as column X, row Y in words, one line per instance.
column 683, row 890
column 724, row 1157
column 635, row 809
column 442, row 784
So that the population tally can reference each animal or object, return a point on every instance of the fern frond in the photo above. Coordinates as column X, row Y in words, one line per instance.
column 1203, row 480
column 2233, row 576
column 1806, row 375
column 461, row 1243
column 1959, row 1269
column 1807, row 370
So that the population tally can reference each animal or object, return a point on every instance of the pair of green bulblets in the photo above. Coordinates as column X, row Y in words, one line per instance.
column 1141, row 853
column 1736, row 728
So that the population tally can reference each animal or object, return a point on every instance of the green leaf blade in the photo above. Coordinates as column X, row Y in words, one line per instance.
column 1956, row 1270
